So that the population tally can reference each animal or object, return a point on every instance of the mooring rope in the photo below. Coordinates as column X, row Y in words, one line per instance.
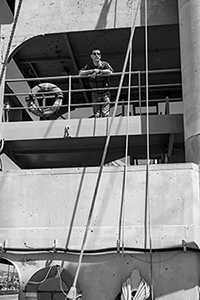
column 148, row 202
column 72, row 291
column 5, row 62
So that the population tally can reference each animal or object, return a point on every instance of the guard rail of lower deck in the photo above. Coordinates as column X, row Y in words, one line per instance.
column 138, row 87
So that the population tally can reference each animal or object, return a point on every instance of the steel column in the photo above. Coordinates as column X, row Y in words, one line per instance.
column 189, row 20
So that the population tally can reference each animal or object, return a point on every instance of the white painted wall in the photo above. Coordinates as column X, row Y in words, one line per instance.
column 42, row 17
column 41, row 209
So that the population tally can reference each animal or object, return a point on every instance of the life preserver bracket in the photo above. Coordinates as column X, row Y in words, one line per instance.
column 40, row 90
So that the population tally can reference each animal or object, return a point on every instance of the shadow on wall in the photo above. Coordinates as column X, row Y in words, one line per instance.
column 102, row 21
column 159, row 12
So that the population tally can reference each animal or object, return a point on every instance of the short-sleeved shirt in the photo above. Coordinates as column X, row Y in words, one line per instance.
column 98, row 81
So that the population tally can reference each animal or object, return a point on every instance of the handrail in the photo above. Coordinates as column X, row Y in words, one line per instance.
column 98, row 89
column 138, row 87
column 78, row 76
column 90, row 104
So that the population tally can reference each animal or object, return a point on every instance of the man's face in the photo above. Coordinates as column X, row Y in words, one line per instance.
column 96, row 55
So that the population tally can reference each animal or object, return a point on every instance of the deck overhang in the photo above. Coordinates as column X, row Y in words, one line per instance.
column 80, row 142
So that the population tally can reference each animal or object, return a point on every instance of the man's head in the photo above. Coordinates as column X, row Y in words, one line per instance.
column 95, row 55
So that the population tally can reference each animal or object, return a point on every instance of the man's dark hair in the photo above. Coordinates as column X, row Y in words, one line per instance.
column 95, row 49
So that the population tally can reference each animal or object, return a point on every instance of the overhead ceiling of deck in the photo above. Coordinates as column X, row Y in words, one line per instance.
column 62, row 54
column 85, row 152
column 65, row 53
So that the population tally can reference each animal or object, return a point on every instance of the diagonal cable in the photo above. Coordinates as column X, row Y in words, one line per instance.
column 72, row 291
column 5, row 62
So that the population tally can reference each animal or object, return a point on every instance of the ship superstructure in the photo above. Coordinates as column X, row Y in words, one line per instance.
column 95, row 201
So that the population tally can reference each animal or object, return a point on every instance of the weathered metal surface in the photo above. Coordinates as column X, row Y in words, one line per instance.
column 175, row 274
column 53, row 204
column 48, row 206
column 189, row 14
column 68, row 15
column 47, row 202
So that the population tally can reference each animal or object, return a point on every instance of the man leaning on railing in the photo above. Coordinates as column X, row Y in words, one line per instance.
column 96, row 70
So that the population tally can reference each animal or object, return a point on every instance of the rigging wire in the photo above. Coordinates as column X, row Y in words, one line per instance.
column 121, row 220
column 60, row 282
column 5, row 62
column 121, row 235
column 72, row 292
column 1, row 149
column 126, row 154
column 44, row 279
column 148, row 204
column 126, row 145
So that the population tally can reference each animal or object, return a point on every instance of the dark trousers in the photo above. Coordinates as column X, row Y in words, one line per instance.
column 103, row 109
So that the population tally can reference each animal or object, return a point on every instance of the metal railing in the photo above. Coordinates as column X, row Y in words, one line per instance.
column 138, row 87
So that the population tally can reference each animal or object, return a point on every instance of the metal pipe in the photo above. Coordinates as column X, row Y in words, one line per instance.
column 139, row 88
column 102, row 89
column 96, row 251
column 78, row 76
column 90, row 104
column 189, row 24
column 69, row 96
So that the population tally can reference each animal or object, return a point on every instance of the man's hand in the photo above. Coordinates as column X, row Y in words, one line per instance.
column 94, row 74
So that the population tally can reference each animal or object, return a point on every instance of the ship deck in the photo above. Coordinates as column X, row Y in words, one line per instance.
column 80, row 142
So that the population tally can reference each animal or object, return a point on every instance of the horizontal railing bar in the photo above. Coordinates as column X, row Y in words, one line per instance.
column 98, row 89
column 162, row 71
column 78, row 76
column 132, row 87
column 91, row 104
column 61, row 77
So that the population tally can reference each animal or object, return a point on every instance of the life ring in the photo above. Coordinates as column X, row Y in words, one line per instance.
column 36, row 92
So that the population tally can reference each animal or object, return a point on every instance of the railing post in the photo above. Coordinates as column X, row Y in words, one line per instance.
column 2, row 86
column 69, row 96
column 167, row 105
column 139, row 90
